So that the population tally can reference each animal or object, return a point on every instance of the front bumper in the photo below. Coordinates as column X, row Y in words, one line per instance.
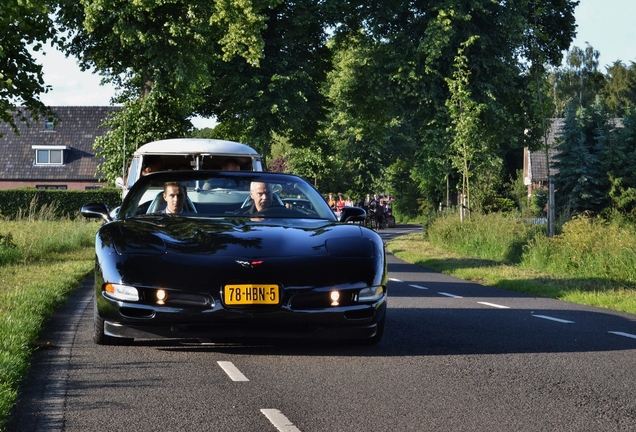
column 237, row 332
column 353, row 322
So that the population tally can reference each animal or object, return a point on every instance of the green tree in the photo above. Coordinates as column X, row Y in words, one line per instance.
column 164, row 51
column 281, row 95
column 580, row 182
column 362, row 84
column 620, row 88
column 579, row 81
column 467, row 144
column 619, row 160
column 24, row 26
column 396, row 83
column 358, row 137
column 162, row 46
column 310, row 164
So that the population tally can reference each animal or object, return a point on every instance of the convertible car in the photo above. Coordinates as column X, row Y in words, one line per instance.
column 219, row 256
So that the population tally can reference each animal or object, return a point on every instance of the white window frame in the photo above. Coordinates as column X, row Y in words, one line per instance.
column 49, row 149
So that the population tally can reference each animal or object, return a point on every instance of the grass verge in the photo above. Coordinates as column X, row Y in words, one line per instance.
column 599, row 292
column 43, row 263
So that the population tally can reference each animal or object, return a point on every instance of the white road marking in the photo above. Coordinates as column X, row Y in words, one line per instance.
column 232, row 371
column 449, row 295
column 281, row 422
column 494, row 305
column 554, row 319
column 629, row 335
column 395, row 280
column 418, row 287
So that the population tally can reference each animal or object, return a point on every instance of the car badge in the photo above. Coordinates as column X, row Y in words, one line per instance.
column 249, row 264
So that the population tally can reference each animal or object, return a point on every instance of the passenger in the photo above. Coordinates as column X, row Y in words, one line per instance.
column 152, row 163
column 230, row 165
column 174, row 194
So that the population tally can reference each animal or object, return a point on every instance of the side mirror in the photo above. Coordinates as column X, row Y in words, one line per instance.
column 94, row 211
column 352, row 214
column 119, row 183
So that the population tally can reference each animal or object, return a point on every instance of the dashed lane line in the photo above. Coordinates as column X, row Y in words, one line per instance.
column 494, row 305
column 449, row 295
column 279, row 420
column 232, row 371
column 553, row 319
column 418, row 287
column 629, row 335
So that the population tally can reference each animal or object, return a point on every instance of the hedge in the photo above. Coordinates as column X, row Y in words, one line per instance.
column 63, row 203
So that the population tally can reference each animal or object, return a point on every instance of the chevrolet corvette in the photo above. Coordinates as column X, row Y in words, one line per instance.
column 220, row 255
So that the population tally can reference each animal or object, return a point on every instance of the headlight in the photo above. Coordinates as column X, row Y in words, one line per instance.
column 162, row 295
column 335, row 298
column 121, row 292
column 370, row 294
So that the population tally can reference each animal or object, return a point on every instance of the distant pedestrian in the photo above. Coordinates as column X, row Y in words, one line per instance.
column 340, row 203
column 331, row 201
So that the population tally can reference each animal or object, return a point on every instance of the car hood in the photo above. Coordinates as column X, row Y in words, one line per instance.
column 238, row 237
column 187, row 252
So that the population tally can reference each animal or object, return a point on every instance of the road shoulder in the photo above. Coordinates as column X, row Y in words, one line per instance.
column 40, row 405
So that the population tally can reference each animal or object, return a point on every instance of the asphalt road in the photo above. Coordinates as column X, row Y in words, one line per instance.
column 456, row 356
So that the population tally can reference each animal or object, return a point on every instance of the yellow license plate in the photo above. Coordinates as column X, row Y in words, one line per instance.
column 251, row 294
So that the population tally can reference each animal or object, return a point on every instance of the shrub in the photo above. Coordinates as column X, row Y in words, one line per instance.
column 587, row 248
column 492, row 236
column 52, row 204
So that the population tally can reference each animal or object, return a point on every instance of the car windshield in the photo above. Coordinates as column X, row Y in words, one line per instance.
column 224, row 194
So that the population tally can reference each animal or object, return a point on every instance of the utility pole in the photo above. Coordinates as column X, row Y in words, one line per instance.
column 551, row 214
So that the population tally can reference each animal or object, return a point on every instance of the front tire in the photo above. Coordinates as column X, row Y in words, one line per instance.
column 101, row 338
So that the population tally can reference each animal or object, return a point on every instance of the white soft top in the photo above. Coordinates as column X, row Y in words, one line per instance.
column 202, row 146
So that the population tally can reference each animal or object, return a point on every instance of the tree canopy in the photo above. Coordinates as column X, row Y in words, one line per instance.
column 364, row 94
column 24, row 26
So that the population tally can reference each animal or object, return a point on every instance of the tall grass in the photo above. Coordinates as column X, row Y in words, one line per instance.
column 36, row 212
column 587, row 248
column 492, row 236
column 41, row 263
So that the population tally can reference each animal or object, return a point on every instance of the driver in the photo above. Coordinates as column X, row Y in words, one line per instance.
column 261, row 194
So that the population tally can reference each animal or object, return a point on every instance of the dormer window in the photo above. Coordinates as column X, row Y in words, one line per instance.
column 49, row 155
column 49, row 125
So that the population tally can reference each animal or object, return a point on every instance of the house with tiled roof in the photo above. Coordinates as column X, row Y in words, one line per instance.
column 536, row 163
column 54, row 155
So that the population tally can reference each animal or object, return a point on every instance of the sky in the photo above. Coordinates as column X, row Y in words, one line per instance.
column 607, row 25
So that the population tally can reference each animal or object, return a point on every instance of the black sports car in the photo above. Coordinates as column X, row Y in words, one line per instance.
column 223, row 255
